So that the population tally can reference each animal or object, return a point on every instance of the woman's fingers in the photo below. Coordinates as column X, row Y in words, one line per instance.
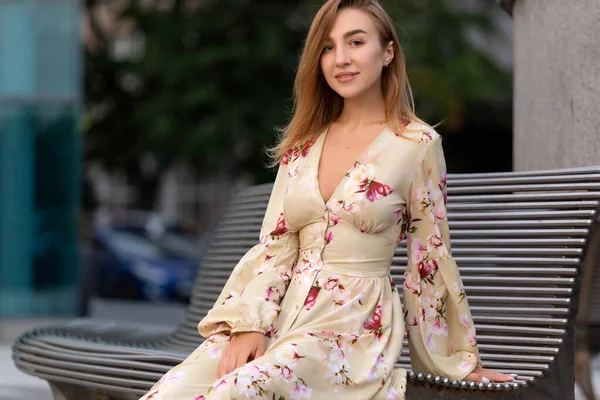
column 242, row 358
column 487, row 376
column 496, row 376
column 240, row 350
column 473, row 377
column 223, row 363
column 260, row 350
column 231, row 363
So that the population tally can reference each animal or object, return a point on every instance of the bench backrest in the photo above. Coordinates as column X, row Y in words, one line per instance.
column 519, row 239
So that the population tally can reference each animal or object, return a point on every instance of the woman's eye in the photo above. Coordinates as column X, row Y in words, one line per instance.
column 327, row 48
column 356, row 43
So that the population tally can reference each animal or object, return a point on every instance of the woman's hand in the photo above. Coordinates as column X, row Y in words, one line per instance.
column 243, row 347
column 487, row 376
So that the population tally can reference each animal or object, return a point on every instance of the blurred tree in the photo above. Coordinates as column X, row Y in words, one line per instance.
column 212, row 84
column 213, row 81
column 456, row 81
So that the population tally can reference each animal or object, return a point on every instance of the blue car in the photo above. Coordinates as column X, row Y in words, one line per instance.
column 154, row 262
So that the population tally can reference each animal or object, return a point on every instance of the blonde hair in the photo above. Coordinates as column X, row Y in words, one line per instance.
column 316, row 105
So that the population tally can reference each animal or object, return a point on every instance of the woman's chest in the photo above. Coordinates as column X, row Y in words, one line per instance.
column 370, row 191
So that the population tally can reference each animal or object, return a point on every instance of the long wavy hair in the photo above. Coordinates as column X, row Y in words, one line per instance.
column 316, row 105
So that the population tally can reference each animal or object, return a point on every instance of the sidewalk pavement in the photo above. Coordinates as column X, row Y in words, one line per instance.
column 14, row 384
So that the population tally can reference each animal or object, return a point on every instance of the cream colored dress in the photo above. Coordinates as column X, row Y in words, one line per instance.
column 318, row 284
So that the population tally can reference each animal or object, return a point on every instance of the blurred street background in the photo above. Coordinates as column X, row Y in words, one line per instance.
column 125, row 125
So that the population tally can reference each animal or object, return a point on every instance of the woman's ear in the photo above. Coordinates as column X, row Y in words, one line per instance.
column 389, row 53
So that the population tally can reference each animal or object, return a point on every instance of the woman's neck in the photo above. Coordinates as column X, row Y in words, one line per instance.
column 362, row 111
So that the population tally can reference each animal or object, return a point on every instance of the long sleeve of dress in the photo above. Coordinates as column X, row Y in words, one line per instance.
column 251, row 297
column 438, row 320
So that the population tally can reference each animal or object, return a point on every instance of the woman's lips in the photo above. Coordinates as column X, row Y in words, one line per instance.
column 346, row 77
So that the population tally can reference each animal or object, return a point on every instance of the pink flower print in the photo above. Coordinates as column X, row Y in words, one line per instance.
column 471, row 337
column 374, row 324
column 414, row 321
column 420, row 197
column 288, row 355
column 199, row 398
column 464, row 320
column 311, row 299
column 285, row 160
column 300, row 391
column 417, row 251
column 427, row 268
column 330, row 283
column 335, row 220
column 411, row 284
column 379, row 361
column 430, row 342
column 435, row 241
column 363, row 227
column 468, row 361
column 280, row 229
column 371, row 374
column 439, row 210
column 305, row 148
column 328, row 237
column 271, row 294
column 401, row 217
column 177, row 377
column 426, row 136
column 265, row 264
column 440, row 327
column 433, row 190
column 376, row 190
column 392, row 284
column 335, row 205
column 431, row 305
column 399, row 214
column 392, row 394
column 222, row 382
column 443, row 181
column 271, row 332
column 299, row 150
column 293, row 171
column 411, row 223
column 214, row 353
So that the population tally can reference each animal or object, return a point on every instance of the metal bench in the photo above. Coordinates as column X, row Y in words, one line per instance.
column 520, row 239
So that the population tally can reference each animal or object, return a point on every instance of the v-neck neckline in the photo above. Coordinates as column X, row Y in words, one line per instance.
column 345, row 176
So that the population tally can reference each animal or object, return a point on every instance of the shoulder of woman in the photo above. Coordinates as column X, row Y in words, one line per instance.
column 419, row 132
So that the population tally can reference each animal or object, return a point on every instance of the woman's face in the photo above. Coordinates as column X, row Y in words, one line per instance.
column 353, row 57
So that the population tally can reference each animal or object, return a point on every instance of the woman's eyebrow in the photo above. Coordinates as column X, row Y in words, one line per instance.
column 351, row 33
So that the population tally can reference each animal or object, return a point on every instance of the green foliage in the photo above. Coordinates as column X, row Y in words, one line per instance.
column 213, row 82
column 445, row 69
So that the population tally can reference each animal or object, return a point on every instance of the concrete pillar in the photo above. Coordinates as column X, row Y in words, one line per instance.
column 556, row 84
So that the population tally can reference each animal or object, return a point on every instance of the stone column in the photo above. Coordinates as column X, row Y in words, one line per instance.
column 556, row 84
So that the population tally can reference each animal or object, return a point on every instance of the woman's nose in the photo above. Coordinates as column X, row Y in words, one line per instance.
column 342, row 58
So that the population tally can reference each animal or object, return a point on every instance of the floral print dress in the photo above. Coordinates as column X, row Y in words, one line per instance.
column 318, row 284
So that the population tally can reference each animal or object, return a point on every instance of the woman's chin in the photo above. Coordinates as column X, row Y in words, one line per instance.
column 348, row 93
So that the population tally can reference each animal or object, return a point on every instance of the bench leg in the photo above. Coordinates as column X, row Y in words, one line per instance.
column 582, row 363
column 58, row 391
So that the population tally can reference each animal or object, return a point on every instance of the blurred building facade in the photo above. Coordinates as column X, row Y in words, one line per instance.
column 40, row 95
